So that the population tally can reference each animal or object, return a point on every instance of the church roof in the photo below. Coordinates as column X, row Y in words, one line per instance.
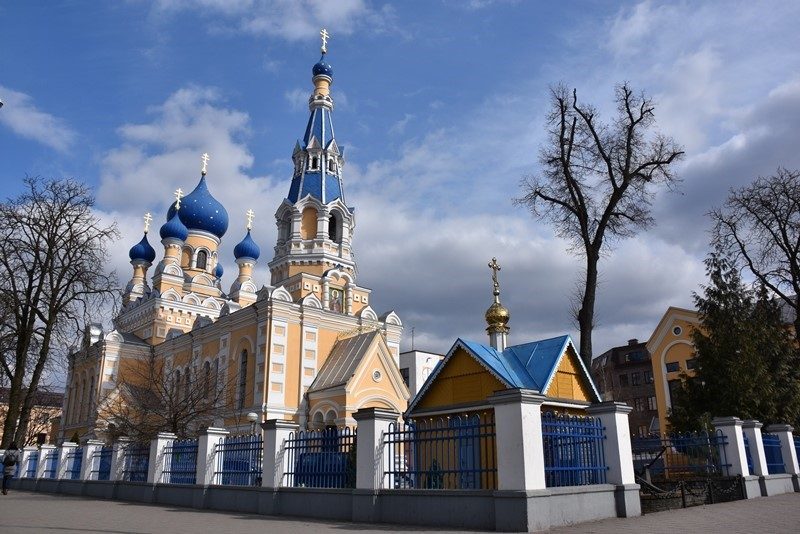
column 343, row 361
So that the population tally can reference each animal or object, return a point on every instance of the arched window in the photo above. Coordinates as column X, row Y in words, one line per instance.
column 331, row 164
column 187, row 384
column 91, row 397
column 202, row 259
column 206, row 379
column 242, row 378
column 333, row 229
column 177, row 390
column 314, row 163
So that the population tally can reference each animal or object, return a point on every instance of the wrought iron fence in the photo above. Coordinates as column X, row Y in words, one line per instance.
column 33, row 464
column 101, row 464
column 772, row 453
column 681, row 455
column 747, row 454
column 50, row 463
column 74, row 459
column 137, row 462
column 324, row 459
column 449, row 453
column 180, row 462
column 237, row 460
column 573, row 450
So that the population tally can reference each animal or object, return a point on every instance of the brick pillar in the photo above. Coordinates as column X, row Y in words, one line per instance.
column 274, row 460
column 44, row 450
column 788, row 452
column 118, row 458
column 752, row 429
column 155, row 469
column 206, row 447
column 66, row 448
column 89, row 448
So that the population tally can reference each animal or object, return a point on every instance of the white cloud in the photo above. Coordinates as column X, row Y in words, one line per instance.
column 23, row 118
column 399, row 127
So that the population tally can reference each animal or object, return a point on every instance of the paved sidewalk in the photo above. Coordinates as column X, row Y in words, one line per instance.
column 30, row 513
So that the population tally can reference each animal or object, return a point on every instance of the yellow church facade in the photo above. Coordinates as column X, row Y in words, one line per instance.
column 306, row 346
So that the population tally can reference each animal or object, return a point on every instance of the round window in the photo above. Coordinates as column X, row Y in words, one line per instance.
column 376, row 375
column 677, row 330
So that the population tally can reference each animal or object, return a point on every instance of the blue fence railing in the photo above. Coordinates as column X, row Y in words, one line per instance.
column 101, row 464
column 456, row 452
column 237, row 461
column 50, row 463
column 180, row 462
column 574, row 452
column 33, row 464
column 325, row 459
column 136, row 464
column 74, row 459
column 797, row 447
column 772, row 453
column 680, row 455
column 748, row 454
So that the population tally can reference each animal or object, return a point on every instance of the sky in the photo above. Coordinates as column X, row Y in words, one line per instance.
column 442, row 108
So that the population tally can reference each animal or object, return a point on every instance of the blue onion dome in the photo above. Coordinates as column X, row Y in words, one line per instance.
column 322, row 68
column 142, row 251
column 174, row 228
column 218, row 271
column 247, row 248
column 201, row 211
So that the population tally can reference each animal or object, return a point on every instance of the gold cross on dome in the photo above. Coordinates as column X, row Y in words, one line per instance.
column 494, row 266
column 250, row 216
column 147, row 220
column 205, row 159
column 178, row 195
column 325, row 36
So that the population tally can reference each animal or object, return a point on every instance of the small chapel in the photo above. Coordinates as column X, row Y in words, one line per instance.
column 303, row 345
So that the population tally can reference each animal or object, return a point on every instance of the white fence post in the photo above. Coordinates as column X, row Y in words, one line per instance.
column 44, row 451
column 155, row 469
column 788, row 452
column 206, row 447
column 89, row 448
column 735, row 452
column 276, row 431
column 752, row 429
column 370, row 460
column 25, row 459
column 118, row 458
column 63, row 462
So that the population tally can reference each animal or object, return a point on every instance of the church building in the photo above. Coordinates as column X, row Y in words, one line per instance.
column 307, row 346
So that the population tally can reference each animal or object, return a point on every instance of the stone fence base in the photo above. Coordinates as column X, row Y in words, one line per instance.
column 509, row 511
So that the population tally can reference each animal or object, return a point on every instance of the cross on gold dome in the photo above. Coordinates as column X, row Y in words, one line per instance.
column 325, row 36
column 204, row 159
column 494, row 266
column 147, row 220
column 250, row 216
column 178, row 195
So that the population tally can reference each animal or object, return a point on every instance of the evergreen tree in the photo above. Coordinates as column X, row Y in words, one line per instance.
column 747, row 363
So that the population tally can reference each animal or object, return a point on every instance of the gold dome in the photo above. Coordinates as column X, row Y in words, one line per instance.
column 497, row 317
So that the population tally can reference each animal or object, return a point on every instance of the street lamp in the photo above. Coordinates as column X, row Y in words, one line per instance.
column 252, row 417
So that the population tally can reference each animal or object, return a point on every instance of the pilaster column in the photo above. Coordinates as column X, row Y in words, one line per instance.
column 118, row 458
column 206, row 447
column 519, row 444
column 44, row 451
column 370, row 460
column 66, row 448
column 752, row 429
column 348, row 298
column 155, row 469
column 89, row 448
column 735, row 452
column 788, row 452
column 275, row 461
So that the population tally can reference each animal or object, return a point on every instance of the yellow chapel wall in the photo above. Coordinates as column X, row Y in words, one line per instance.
column 569, row 382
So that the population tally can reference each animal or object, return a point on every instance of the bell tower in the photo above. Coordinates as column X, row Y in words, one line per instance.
column 313, row 253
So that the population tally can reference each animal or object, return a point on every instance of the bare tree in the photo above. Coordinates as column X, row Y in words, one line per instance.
column 760, row 226
column 52, row 276
column 598, row 181
column 153, row 397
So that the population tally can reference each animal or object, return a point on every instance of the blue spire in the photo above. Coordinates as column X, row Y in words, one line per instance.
column 174, row 228
column 247, row 248
column 142, row 251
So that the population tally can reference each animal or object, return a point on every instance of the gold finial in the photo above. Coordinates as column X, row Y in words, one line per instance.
column 204, row 159
column 494, row 266
column 147, row 220
column 325, row 36
column 250, row 216
column 497, row 315
column 178, row 195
